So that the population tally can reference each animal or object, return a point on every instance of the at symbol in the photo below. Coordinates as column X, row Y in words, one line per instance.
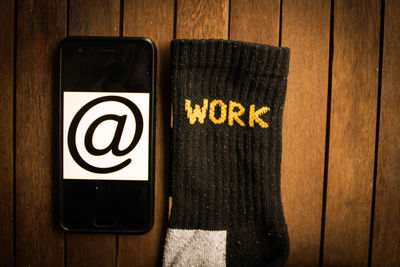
column 113, row 147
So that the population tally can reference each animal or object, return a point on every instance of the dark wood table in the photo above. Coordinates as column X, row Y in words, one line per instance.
column 341, row 125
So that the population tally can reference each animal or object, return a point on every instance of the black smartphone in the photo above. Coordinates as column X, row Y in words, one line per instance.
column 106, row 134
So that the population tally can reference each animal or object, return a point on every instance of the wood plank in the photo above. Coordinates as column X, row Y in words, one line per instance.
column 304, row 125
column 255, row 21
column 352, row 136
column 154, row 20
column 7, row 133
column 90, row 250
column 93, row 18
column 202, row 19
column 386, row 235
column 40, row 27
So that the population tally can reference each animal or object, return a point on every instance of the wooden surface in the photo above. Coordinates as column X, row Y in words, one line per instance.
column 304, row 125
column 94, row 17
column 6, row 133
column 386, row 235
column 255, row 21
column 202, row 19
column 352, row 132
column 341, row 146
column 40, row 27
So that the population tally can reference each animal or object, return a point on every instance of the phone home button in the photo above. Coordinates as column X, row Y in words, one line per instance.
column 105, row 222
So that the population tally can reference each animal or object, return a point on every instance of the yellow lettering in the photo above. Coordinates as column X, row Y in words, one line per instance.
column 233, row 112
column 198, row 113
column 222, row 117
column 234, row 115
column 254, row 116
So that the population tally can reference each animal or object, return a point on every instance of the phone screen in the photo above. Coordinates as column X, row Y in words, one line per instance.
column 107, row 134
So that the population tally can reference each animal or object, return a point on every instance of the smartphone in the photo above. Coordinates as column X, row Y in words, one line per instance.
column 106, row 134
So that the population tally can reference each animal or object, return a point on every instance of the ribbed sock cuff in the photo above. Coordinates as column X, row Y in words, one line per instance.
column 254, row 59
column 229, row 70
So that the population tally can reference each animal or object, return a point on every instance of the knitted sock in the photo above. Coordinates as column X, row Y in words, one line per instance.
column 228, row 100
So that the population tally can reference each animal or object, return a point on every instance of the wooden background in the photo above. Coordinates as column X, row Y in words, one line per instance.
column 341, row 130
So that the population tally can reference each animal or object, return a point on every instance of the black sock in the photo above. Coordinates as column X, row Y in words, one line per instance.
column 228, row 99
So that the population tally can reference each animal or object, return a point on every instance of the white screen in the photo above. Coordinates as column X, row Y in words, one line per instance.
column 104, row 134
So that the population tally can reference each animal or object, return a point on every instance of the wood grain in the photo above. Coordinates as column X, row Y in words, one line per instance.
column 202, row 19
column 40, row 27
column 154, row 20
column 93, row 18
column 304, row 125
column 386, row 235
column 90, row 250
column 41, row 24
column 255, row 21
column 6, row 133
column 352, row 136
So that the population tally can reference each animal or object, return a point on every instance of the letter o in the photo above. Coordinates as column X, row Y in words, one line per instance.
column 223, row 107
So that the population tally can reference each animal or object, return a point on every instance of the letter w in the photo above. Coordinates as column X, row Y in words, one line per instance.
column 197, row 113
